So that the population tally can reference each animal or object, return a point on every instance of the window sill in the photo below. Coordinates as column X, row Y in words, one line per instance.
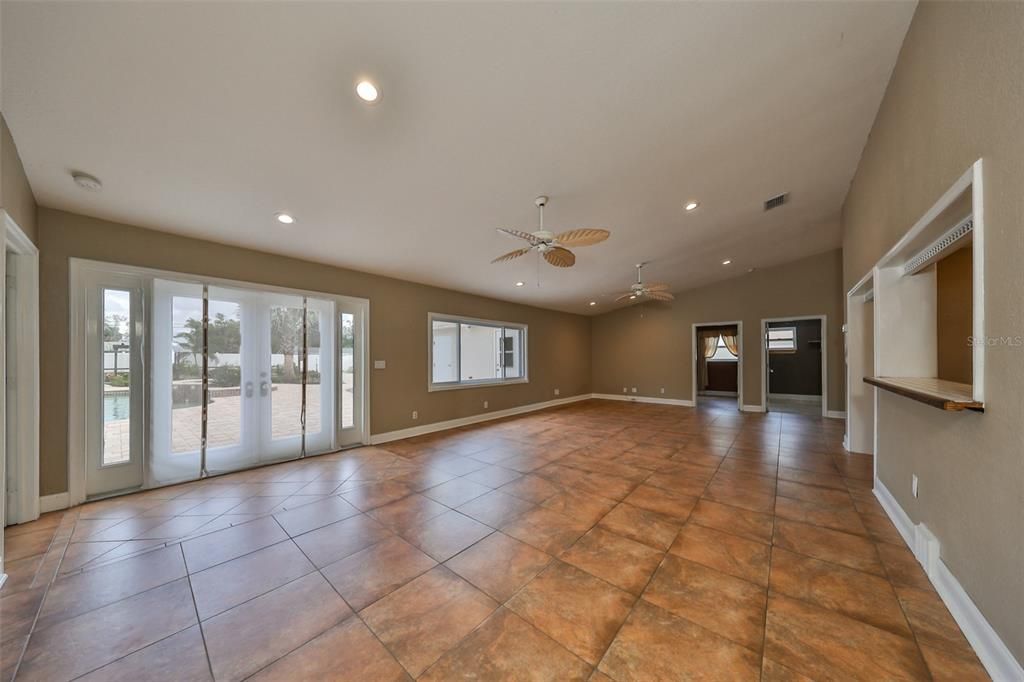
column 474, row 384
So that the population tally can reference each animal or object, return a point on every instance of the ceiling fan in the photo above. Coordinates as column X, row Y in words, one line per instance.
column 550, row 245
column 658, row 292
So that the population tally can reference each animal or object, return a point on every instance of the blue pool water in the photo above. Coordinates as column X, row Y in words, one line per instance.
column 115, row 406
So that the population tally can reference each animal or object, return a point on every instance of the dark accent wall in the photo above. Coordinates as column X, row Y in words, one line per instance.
column 797, row 373
column 722, row 376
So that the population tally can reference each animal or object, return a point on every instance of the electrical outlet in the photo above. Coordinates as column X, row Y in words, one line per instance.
column 415, row 414
column 557, row 392
column 913, row 485
column 625, row 390
column 634, row 389
column 663, row 390
column 485, row 404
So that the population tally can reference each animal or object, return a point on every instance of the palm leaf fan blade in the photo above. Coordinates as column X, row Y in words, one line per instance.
column 510, row 255
column 584, row 236
column 560, row 258
column 519, row 234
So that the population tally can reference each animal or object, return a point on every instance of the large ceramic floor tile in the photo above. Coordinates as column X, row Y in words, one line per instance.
column 574, row 608
column 853, row 551
column 499, row 565
column 407, row 512
column 866, row 597
column 444, row 536
column 824, row 644
column 743, row 522
column 72, row 647
column 307, row 517
column 82, row 592
column 731, row 554
column 641, row 525
column 426, row 617
column 180, row 657
column 348, row 651
column 625, row 563
column 728, row 606
column 655, row 644
column 250, row 636
column 546, row 530
column 329, row 544
column 506, row 647
column 366, row 576
column 495, row 508
column 224, row 545
column 226, row 585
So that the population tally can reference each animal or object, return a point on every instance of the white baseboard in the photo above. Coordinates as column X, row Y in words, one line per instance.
column 836, row 414
column 627, row 397
column 992, row 651
column 49, row 503
column 753, row 408
column 388, row 436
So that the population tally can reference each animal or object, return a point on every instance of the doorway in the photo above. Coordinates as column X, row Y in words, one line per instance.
column 794, row 364
column 180, row 378
column 860, row 363
column 718, row 363
column 19, row 370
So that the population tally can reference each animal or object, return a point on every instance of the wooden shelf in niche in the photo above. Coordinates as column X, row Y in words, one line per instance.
column 945, row 395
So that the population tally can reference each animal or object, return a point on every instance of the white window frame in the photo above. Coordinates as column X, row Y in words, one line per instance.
column 781, row 350
column 459, row 383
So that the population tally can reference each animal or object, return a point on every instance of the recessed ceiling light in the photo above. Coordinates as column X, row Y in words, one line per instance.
column 86, row 181
column 284, row 218
column 367, row 91
column 726, row 262
column 519, row 284
column 692, row 205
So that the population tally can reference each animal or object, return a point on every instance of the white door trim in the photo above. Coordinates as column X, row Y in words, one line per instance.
column 824, row 357
column 739, row 362
column 25, row 507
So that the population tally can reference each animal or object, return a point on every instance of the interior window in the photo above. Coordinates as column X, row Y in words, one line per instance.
column 782, row 339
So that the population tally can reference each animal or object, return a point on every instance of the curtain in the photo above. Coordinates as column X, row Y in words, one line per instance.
column 709, row 343
column 731, row 343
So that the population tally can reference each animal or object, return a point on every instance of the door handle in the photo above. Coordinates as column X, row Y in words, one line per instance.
column 248, row 389
column 264, row 389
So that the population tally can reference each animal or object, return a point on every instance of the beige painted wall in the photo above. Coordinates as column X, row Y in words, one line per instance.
column 956, row 95
column 650, row 346
column 559, row 343
column 15, row 194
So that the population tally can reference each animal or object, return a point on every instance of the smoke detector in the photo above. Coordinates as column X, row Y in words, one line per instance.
column 87, row 182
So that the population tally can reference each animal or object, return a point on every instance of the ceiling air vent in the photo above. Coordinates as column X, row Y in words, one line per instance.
column 776, row 201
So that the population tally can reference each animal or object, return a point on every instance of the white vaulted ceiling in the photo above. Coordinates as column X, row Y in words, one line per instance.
column 205, row 119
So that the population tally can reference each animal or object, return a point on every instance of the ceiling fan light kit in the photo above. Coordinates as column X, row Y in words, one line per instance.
column 552, row 247
column 653, row 290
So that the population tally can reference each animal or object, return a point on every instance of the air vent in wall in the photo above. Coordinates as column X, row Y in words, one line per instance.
column 776, row 201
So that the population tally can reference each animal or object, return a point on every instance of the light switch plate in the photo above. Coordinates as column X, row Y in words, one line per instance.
column 380, row 364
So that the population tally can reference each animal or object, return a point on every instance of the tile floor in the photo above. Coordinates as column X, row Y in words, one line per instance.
column 603, row 540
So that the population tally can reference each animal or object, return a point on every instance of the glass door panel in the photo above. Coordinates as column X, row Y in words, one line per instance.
column 114, row 378
column 351, row 319
column 321, row 377
column 286, row 324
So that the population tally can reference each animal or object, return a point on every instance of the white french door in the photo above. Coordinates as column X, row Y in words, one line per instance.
column 114, row 378
column 208, row 378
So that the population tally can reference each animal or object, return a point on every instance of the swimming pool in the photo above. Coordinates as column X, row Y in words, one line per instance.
column 116, row 406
